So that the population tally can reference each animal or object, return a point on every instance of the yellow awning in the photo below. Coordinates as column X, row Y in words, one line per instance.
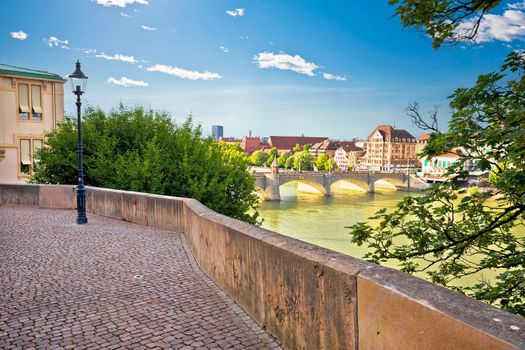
column 25, row 156
column 23, row 98
column 36, row 98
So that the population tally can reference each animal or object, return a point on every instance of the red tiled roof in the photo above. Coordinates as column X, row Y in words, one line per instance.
column 423, row 137
column 349, row 146
column 289, row 142
column 389, row 133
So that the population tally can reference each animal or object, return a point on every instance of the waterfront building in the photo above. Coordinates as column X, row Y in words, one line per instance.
column 217, row 132
column 250, row 144
column 347, row 155
column 360, row 143
column 31, row 104
column 326, row 147
column 421, row 143
column 287, row 143
column 388, row 148
column 437, row 166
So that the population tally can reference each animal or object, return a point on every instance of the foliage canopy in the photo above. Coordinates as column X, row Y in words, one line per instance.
column 444, row 20
column 143, row 150
column 450, row 234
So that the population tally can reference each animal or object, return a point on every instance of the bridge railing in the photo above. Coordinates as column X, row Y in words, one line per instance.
column 306, row 296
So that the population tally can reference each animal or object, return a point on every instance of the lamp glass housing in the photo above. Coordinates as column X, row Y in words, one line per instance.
column 78, row 80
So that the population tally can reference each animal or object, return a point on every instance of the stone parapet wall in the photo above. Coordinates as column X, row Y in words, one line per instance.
column 305, row 296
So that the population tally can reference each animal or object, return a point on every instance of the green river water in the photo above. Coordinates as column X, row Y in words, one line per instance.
column 321, row 220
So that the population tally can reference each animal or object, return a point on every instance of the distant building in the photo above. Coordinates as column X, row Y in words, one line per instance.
column 326, row 147
column 421, row 143
column 250, row 144
column 388, row 148
column 287, row 143
column 265, row 146
column 347, row 155
column 361, row 161
column 360, row 144
column 437, row 166
column 230, row 140
column 31, row 104
column 217, row 132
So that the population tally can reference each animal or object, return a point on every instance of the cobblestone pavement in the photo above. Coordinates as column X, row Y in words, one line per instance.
column 108, row 285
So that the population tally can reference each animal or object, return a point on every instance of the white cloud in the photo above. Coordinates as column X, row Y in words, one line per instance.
column 53, row 41
column 126, row 82
column 121, row 3
column 89, row 51
column 124, row 14
column 151, row 29
column 237, row 12
column 117, row 57
column 285, row 62
column 243, row 37
column 225, row 49
column 505, row 27
column 329, row 76
column 517, row 6
column 20, row 35
column 183, row 73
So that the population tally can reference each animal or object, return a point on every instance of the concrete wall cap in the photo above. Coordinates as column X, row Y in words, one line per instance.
column 490, row 320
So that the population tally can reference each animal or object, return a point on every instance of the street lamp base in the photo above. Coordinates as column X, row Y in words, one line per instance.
column 82, row 220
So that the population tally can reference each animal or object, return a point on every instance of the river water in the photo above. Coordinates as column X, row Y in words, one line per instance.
column 321, row 220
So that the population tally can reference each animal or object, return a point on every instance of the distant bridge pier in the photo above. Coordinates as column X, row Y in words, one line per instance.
column 371, row 183
column 273, row 191
column 327, row 189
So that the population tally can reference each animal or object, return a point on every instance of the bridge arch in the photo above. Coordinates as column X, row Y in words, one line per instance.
column 394, row 181
column 308, row 186
column 350, row 184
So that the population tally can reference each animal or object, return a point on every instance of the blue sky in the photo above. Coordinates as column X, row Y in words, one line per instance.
column 327, row 68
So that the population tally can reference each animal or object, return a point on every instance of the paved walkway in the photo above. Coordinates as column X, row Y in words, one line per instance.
column 108, row 285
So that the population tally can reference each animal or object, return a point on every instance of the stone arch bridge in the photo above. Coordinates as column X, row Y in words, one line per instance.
column 321, row 182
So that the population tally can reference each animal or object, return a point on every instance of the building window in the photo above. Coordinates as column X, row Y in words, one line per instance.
column 28, row 148
column 30, row 102
column 23, row 101
column 36, row 102
column 25, row 156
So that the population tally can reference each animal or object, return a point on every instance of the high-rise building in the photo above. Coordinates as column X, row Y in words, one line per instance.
column 217, row 132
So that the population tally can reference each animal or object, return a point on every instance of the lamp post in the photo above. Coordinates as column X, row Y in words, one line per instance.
column 78, row 86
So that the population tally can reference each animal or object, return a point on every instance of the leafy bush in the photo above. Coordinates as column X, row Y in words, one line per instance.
column 143, row 150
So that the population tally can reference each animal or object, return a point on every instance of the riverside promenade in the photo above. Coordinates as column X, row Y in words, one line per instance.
column 115, row 284
column 108, row 285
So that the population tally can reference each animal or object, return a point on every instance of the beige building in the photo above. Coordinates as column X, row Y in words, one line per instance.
column 347, row 155
column 31, row 103
column 388, row 149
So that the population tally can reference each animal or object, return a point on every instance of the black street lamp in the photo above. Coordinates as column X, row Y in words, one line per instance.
column 78, row 86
